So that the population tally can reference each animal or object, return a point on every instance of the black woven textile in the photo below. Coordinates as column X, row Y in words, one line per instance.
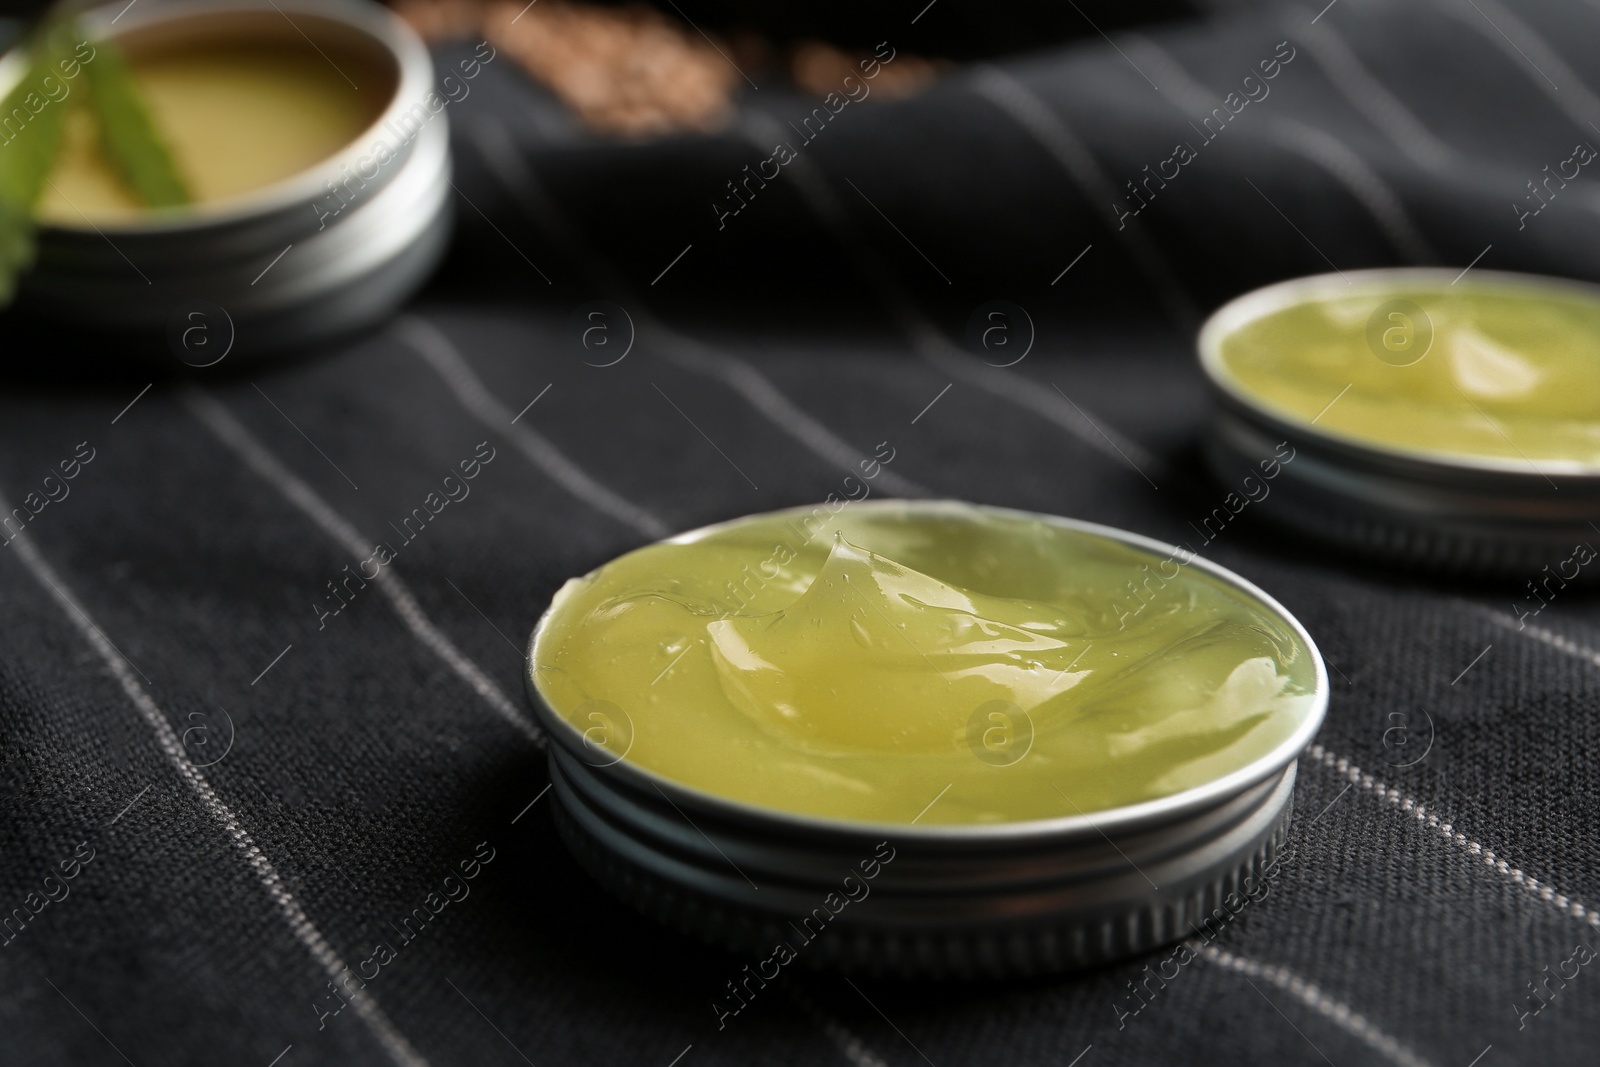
column 219, row 792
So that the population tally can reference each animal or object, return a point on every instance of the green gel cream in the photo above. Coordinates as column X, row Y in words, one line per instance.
column 1511, row 377
column 237, row 116
column 851, row 667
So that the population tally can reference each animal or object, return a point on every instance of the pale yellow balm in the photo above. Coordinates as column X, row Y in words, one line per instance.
column 940, row 663
column 237, row 116
column 1486, row 370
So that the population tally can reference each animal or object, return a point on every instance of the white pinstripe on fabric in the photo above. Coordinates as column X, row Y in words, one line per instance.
column 1311, row 995
column 1563, row 902
column 1344, row 69
column 1584, row 113
column 1042, row 123
column 519, row 179
column 1509, row 34
column 513, row 172
column 366, row 1006
column 1534, row 632
column 924, row 337
column 1564, row 645
column 1578, row 102
column 232, row 433
column 765, row 397
column 1306, row 141
column 848, row 1044
column 1051, row 406
column 440, row 353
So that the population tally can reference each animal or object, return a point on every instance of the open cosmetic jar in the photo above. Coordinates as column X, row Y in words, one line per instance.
column 923, row 738
column 1437, row 418
column 312, row 139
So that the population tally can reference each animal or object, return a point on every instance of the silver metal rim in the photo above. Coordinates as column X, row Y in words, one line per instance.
column 387, row 31
column 1052, row 906
column 1131, row 817
column 370, row 237
column 1416, row 524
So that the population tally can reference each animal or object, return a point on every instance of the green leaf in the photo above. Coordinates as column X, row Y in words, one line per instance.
column 128, row 136
column 32, row 116
column 16, row 247
column 31, row 121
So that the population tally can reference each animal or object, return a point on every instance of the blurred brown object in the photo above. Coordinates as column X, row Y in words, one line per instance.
column 635, row 72
column 630, row 71
column 442, row 20
column 818, row 67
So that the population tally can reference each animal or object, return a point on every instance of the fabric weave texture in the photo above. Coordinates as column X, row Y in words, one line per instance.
column 268, row 791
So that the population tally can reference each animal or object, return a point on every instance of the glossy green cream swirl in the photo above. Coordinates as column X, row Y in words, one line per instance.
column 1503, row 372
column 859, row 665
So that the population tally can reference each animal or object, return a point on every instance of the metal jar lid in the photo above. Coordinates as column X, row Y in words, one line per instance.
column 949, row 901
column 1450, row 513
column 141, row 284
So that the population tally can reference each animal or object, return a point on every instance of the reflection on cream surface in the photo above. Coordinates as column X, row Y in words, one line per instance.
column 901, row 650
column 1506, row 373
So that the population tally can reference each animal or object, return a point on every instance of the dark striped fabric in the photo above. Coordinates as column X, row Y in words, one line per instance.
column 233, row 777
